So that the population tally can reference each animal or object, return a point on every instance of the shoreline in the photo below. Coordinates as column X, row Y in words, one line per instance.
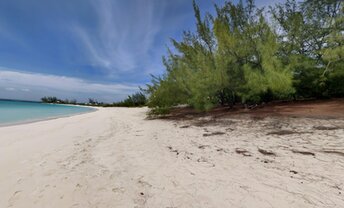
column 93, row 109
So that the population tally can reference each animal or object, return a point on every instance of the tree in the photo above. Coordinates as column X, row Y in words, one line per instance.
column 137, row 99
column 238, row 55
column 306, row 29
column 49, row 100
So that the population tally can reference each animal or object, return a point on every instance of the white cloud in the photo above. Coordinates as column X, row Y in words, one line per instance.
column 123, row 36
column 65, row 86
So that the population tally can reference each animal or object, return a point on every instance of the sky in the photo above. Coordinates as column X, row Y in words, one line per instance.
column 80, row 49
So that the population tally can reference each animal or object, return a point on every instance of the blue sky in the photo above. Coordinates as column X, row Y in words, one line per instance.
column 81, row 49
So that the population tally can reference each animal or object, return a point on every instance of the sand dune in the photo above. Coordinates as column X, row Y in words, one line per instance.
column 115, row 157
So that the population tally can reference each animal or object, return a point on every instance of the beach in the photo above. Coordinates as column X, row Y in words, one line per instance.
column 116, row 157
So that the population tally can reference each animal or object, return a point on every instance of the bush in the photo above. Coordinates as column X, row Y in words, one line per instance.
column 136, row 100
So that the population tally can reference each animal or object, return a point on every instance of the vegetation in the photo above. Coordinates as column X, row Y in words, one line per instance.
column 244, row 55
column 137, row 99
column 49, row 99
column 56, row 100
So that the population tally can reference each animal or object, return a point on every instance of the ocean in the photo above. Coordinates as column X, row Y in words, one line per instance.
column 15, row 112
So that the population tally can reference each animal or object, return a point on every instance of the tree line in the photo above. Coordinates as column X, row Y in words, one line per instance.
column 244, row 54
column 137, row 99
column 53, row 99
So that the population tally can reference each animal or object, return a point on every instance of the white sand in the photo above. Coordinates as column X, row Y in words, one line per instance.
column 116, row 158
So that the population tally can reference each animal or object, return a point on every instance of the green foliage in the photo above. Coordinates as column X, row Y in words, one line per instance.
column 52, row 99
column 312, row 45
column 49, row 99
column 137, row 99
column 159, row 111
column 236, row 55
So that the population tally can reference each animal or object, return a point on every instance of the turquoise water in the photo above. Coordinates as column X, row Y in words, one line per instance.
column 13, row 112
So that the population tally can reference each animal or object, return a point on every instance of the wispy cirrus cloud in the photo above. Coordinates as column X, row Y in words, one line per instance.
column 117, row 41
column 10, row 89
column 38, row 85
column 124, row 35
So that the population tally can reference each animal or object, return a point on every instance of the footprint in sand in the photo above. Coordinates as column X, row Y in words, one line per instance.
column 118, row 190
column 14, row 198
column 141, row 199
column 143, row 195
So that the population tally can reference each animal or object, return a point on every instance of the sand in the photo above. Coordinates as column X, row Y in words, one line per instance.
column 114, row 157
